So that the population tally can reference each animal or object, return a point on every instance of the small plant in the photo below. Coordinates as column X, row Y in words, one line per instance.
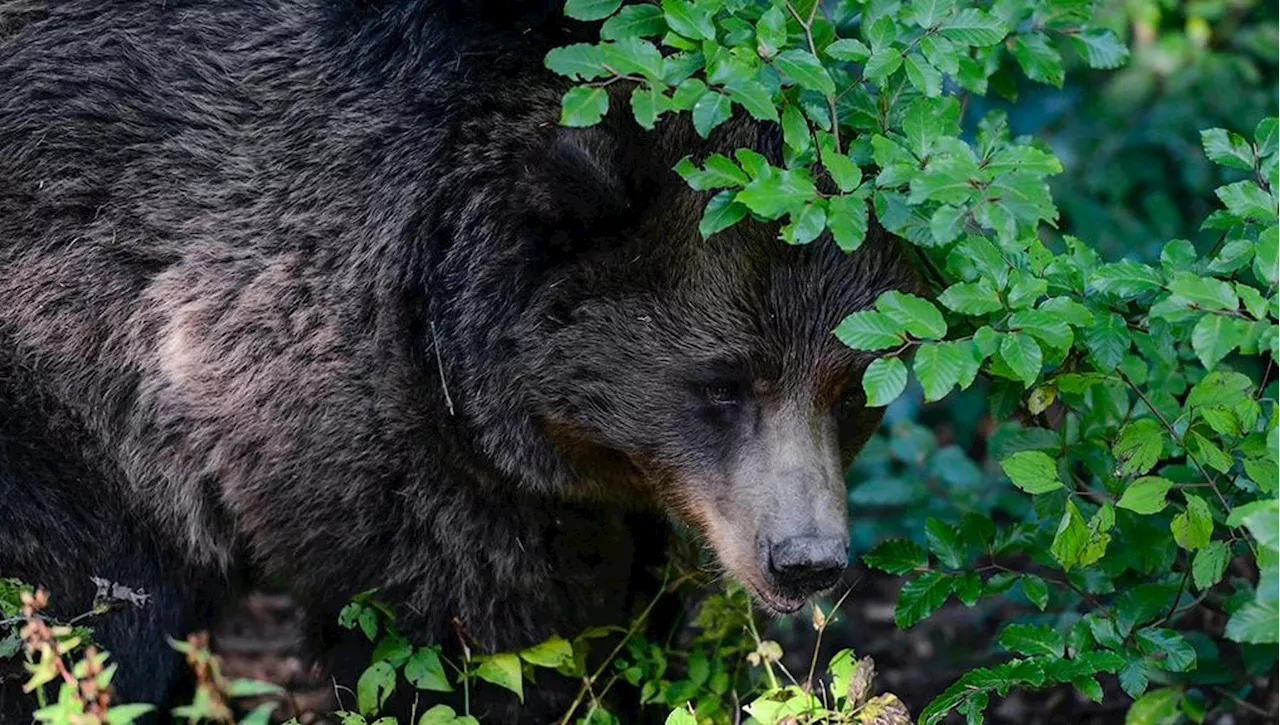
column 60, row 655
column 83, row 683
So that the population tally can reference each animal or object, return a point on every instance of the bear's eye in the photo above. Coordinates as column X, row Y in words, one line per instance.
column 723, row 393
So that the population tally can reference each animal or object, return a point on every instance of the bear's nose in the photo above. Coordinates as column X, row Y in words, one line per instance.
column 807, row 564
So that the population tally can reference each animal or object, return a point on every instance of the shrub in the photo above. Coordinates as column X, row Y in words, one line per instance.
column 1145, row 436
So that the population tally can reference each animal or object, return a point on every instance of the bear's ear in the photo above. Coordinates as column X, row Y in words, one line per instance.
column 578, row 183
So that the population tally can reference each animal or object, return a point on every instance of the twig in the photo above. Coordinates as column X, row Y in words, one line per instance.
column 435, row 347
column 813, row 48
column 631, row 632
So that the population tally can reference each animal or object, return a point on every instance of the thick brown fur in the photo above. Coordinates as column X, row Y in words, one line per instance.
column 320, row 288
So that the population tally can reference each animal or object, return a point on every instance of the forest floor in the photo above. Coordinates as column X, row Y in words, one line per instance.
column 262, row 639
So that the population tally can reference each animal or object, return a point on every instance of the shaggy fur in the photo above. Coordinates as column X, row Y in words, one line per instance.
column 318, row 287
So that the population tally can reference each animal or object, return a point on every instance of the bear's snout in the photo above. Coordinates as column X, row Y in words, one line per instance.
column 801, row 566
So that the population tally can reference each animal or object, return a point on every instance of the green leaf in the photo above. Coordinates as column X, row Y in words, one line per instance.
column 374, row 687
column 1108, row 341
column 581, row 61
column 1263, row 472
column 680, row 716
column 1133, row 678
column 972, row 298
column 1158, row 707
column 503, row 669
column 1036, row 590
column 1257, row 622
column 1173, row 650
column 971, row 26
column 1022, row 354
column 245, row 687
column 881, row 31
column 915, row 314
column 1227, row 149
column 1219, row 389
column 882, row 64
column 1089, row 687
column 689, row 19
column 1039, row 60
column 804, row 69
column 771, row 32
column 554, row 652
column 1099, row 48
column 1126, row 279
column 753, row 97
column 776, row 193
column 123, row 714
column 1032, row 471
column 843, row 171
column 1209, row 564
column 848, row 49
column 944, row 542
column 1138, row 447
column 1266, row 252
column 1071, row 539
column 590, row 9
column 1215, row 337
column 687, row 94
column 718, row 172
column 1146, row 495
column 943, row 54
column 634, row 21
column 1204, row 292
column 1264, row 136
column 807, row 224
column 722, row 212
column 1023, row 158
column 948, row 179
column 870, row 330
column 968, row 588
column 940, row 366
column 711, row 110
column 425, row 671
column 438, row 715
column 922, row 75
column 847, row 219
column 922, row 596
column 884, row 380
column 1047, row 327
column 795, row 130
column 897, row 557
column 946, row 224
column 1208, row 453
column 636, row 56
column 1032, row 640
column 1260, row 518
column 647, row 104
column 1247, row 201
column 1193, row 527
column 929, row 13
column 583, row 106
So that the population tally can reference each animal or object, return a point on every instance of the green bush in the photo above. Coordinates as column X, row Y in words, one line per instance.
column 1145, row 441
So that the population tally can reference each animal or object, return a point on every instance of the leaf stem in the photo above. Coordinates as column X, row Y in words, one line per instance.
column 813, row 48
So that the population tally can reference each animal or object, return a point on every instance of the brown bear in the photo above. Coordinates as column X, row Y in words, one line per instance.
column 320, row 289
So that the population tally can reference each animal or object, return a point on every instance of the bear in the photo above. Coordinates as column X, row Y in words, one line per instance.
column 320, row 290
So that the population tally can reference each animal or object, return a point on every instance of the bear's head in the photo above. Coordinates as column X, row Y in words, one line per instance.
column 699, row 375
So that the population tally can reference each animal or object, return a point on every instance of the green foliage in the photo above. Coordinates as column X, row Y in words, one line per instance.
column 1145, row 454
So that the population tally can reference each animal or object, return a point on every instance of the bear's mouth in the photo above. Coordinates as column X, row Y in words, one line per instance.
column 775, row 601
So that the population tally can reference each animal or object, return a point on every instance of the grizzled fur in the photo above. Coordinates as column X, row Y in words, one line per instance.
column 319, row 288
